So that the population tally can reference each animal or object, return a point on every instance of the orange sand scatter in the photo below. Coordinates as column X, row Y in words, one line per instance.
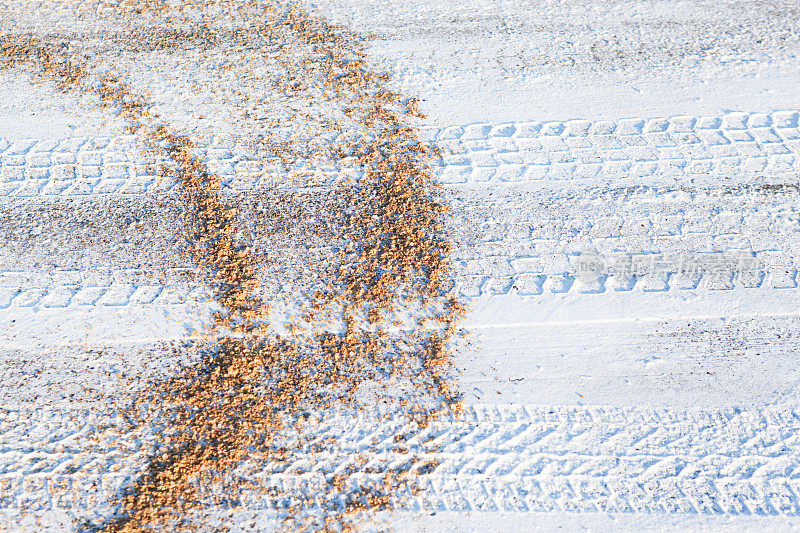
column 387, row 318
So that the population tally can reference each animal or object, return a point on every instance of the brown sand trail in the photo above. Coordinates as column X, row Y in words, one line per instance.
column 379, row 317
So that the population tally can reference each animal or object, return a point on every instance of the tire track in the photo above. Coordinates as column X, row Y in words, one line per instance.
column 527, row 241
column 533, row 242
column 736, row 147
column 514, row 458
column 98, row 287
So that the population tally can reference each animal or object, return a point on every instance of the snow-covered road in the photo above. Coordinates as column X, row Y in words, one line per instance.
column 625, row 219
